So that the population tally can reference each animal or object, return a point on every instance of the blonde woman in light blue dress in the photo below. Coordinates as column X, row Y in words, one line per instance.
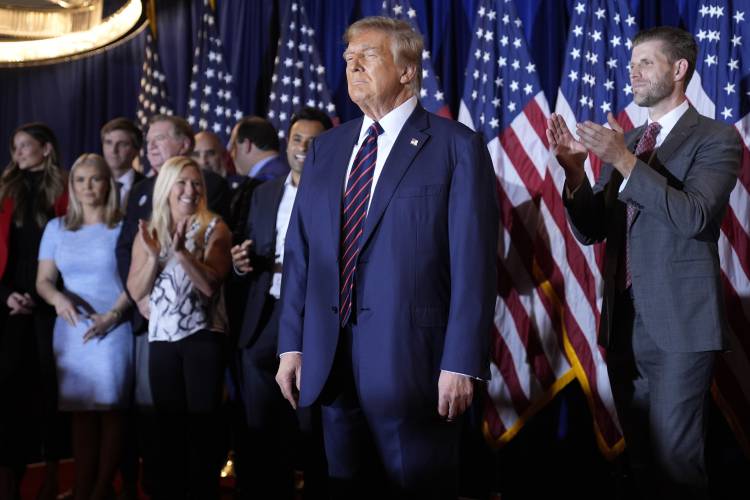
column 93, row 345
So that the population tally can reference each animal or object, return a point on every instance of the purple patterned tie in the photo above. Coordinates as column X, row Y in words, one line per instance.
column 356, row 201
column 643, row 150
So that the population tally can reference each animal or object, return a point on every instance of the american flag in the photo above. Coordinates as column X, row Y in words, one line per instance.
column 298, row 76
column 595, row 82
column 153, row 98
column 213, row 103
column 431, row 95
column 720, row 89
column 504, row 101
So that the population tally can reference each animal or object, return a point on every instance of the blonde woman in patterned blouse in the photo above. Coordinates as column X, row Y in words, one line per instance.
column 180, row 260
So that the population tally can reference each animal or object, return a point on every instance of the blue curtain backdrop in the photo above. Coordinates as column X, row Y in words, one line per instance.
column 76, row 97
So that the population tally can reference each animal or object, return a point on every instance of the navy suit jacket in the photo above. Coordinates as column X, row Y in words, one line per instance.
column 426, row 272
column 262, row 230
column 276, row 167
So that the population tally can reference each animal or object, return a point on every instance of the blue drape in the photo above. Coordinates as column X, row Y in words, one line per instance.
column 76, row 97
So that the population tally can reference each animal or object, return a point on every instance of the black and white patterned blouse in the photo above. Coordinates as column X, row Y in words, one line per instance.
column 178, row 309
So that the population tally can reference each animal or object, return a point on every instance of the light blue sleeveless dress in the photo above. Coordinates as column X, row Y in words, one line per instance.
column 97, row 375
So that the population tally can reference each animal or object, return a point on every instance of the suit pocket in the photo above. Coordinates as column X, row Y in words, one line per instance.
column 429, row 316
column 696, row 268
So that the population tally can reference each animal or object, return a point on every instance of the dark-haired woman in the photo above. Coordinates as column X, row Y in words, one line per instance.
column 32, row 191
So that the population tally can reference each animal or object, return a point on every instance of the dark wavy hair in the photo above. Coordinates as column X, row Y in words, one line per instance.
column 53, row 179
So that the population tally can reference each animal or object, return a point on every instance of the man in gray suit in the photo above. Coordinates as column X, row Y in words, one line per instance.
column 658, row 203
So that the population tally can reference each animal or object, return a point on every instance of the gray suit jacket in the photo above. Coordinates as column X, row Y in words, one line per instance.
column 682, row 195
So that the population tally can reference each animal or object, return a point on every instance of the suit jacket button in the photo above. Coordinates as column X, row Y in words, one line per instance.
column 334, row 309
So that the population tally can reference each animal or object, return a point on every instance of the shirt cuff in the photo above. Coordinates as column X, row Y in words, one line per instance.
column 237, row 271
column 289, row 352
column 462, row 374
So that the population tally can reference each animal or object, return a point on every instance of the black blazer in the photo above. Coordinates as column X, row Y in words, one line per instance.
column 262, row 230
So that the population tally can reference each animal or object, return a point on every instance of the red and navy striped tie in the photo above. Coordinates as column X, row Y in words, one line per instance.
column 356, row 201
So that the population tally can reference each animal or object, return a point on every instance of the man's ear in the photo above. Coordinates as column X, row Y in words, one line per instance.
column 185, row 149
column 680, row 70
column 408, row 74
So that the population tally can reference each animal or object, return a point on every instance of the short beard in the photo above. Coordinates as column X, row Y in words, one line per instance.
column 663, row 88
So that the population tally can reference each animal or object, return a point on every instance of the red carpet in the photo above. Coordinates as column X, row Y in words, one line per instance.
column 35, row 473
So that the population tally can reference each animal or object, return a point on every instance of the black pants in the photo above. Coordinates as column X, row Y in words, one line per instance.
column 186, row 382
column 31, row 427
column 265, row 466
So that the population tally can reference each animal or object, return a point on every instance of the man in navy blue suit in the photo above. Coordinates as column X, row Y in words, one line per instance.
column 264, row 454
column 389, row 278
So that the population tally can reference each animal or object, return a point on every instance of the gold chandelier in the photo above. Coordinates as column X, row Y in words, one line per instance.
column 42, row 30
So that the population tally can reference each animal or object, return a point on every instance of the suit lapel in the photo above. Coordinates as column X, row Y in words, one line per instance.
column 278, row 194
column 339, row 163
column 409, row 142
column 681, row 131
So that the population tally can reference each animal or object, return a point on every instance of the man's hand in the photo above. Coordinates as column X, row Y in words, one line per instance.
column 455, row 392
column 608, row 144
column 241, row 257
column 570, row 153
column 288, row 376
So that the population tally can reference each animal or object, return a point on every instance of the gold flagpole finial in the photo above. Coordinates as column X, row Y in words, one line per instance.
column 151, row 14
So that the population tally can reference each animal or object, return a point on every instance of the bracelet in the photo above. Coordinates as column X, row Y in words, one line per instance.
column 116, row 313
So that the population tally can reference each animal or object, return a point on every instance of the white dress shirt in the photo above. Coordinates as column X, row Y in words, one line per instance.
column 126, row 184
column 667, row 122
column 392, row 123
column 283, row 215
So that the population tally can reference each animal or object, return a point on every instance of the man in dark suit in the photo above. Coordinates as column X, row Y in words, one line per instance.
column 658, row 203
column 121, row 142
column 255, row 149
column 265, row 468
column 167, row 136
column 389, row 278
column 210, row 154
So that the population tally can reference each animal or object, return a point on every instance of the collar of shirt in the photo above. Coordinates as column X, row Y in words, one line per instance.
column 392, row 122
column 126, row 179
column 288, row 181
column 669, row 120
column 258, row 166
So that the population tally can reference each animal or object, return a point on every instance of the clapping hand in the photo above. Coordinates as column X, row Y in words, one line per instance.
column 570, row 152
column 178, row 237
column 148, row 239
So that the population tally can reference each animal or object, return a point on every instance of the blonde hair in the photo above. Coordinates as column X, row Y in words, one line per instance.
column 406, row 44
column 112, row 214
column 161, row 216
